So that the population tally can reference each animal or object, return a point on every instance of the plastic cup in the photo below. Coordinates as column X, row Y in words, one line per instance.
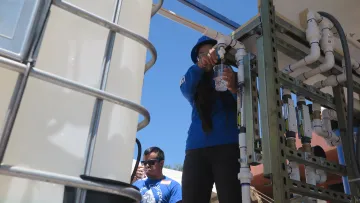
column 220, row 83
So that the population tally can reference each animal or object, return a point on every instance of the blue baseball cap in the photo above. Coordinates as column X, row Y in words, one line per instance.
column 202, row 40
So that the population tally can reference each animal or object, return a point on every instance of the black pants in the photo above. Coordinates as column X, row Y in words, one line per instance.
column 203, row 167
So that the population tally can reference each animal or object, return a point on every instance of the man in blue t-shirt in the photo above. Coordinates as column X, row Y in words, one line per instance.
column 155, row 187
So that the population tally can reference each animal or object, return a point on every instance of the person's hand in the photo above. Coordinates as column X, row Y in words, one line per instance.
column 140, row 173
column 208, row 60
column 229, row 77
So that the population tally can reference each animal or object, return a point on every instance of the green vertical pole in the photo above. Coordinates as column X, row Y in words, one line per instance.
column 272, row 124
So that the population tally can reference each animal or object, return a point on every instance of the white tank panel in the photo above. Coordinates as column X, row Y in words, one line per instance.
column 52, row 126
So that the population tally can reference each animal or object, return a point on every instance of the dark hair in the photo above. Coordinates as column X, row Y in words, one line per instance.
column 160, row 153
column 205, row 97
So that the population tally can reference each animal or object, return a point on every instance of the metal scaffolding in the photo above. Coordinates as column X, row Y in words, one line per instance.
column 273, row 34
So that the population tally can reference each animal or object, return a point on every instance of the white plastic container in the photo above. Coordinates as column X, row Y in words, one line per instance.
column 52, row 126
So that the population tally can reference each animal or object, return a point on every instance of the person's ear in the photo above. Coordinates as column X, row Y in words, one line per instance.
column 162, row 163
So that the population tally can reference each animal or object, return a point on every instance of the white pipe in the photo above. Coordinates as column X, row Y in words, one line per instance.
column 245, row 176
column 323, row 128
column 313, row 37
column 304, row 119
column 221, row 38
column 290, row 118
column 334, row 80
column 329, row 114
column 310, row 177
column 327, row 45
column 354, row 64
column 321, row 176
column 224, row 41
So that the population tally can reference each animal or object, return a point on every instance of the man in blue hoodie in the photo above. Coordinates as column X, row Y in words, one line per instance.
column 212, row 150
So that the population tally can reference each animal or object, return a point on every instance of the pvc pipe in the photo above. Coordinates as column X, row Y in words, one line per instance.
column 294, row 171
column 245, row 176
column 179, row 19
column 321, row 176
column 227, row 40
column 291, row 130
column 323, row 128
column 223, row 40
column 304, row 121
column 327, row 45
column 334, row 80
column 354, row 64
column 313, row 37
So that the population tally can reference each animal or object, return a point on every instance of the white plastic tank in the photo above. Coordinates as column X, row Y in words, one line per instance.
column 52, row 126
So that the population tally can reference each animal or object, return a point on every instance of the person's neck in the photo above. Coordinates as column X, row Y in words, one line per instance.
column 156, row 177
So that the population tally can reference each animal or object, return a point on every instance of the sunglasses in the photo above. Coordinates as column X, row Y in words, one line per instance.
column 149, row 162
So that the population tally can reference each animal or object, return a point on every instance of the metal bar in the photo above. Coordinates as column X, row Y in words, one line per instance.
column 316, row 162
column 179, row 19
column 156, row 7
column 271, row 112
column 249, row 29
column 64, row 82
column 95, row 119
column 318, row 192
column 109, row 25
column 251, row 113
column 341, row 110
column 13, row 110
column 71, row 181
column 210, row 13
column 308, row 91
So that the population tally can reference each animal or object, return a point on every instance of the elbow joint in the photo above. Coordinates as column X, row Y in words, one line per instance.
column 314, row 54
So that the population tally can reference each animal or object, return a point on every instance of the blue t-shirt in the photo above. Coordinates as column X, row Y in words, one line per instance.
column 225, row 130
column 159, row 191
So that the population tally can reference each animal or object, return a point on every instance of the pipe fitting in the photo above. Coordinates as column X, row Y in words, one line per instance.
column 245, row 176
column 286, row 92
column 354, row 64
column 293, row 170
column 312, row 31
column 227, row 39
column 323, row 128
column 320, row 176
column 329, row 114
column 239, row 56
column 332, row 80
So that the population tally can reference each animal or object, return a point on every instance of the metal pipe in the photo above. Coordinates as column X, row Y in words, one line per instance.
column 109, row 25
column 95, row 119
column 64, row 82
column 179, row 19
column 71, row 181
column 13, row 110
column 156, row 7
column 197, row 6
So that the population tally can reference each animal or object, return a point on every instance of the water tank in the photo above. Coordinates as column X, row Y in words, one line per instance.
column 52, row 126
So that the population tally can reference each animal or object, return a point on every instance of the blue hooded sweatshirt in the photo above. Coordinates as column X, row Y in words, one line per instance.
column 224, row 129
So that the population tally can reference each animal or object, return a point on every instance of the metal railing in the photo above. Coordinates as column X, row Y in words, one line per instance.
column 27, row 70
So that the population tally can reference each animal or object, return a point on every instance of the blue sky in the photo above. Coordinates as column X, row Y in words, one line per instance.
column 170, row 112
